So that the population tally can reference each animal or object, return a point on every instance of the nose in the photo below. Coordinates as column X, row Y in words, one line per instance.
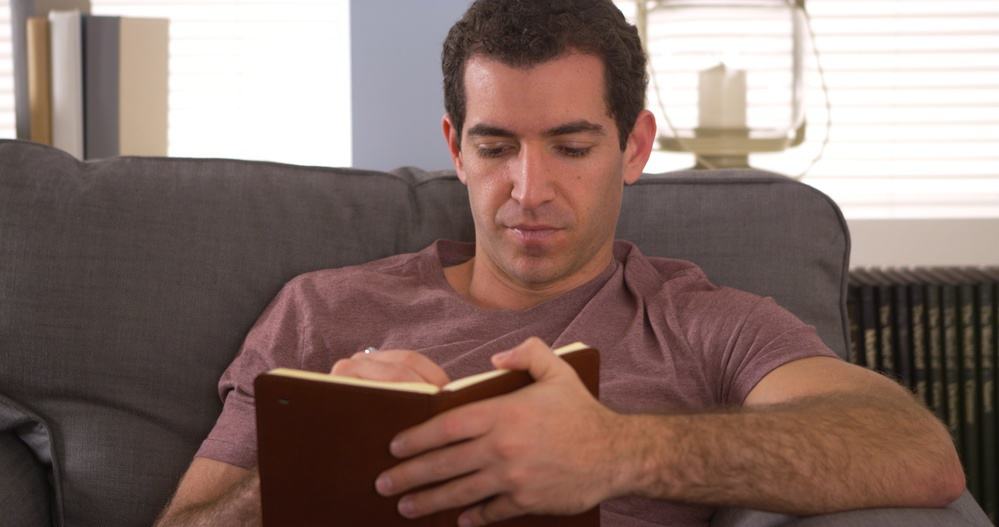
column 532, row 179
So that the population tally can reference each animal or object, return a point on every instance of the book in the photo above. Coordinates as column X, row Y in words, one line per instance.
column 993, row 274
column 985, row 329
column 868, row 319
column 901, row 328
column 968, row 357
column 66, row 46
column 886, row 350
column 125, row 79
column 917, row 335
column 945, row 329
column 951, row 362
column 324, row 439
column 20, row 12
column 39, row 84
column 934, row 346
column 853, row 318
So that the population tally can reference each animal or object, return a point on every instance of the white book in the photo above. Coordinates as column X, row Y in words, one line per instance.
column 125, row 74
column 66, row 46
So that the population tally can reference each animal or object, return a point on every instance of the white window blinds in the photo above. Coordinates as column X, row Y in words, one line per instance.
column 6, row 74
column 914, row 90
column 249, row 79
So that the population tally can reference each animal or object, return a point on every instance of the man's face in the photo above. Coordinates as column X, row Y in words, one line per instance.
column 541, row 157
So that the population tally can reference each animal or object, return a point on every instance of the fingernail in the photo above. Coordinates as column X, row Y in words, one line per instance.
column 395, row 447
column 464, row 521
column 406, row 507
column 384, row 485
column 502, row 355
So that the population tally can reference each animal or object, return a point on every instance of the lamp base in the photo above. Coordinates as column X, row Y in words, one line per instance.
column 730, row 161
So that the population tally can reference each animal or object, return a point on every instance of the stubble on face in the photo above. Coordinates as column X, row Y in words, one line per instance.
column 546, row 197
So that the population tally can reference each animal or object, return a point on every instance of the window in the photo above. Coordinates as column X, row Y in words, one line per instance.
column 914, row 89
column 249, row 79
column 6, row 74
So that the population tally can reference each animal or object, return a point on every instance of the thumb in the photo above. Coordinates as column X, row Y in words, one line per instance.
column 532, row 355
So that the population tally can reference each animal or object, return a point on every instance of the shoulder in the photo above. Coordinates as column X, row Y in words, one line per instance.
column 336, row 288
column 679, row 294
column 396, row 268
column 679, row 283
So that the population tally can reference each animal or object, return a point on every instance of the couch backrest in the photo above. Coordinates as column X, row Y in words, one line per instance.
column 127, row 284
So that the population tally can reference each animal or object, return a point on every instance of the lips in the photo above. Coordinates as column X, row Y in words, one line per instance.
column 534, row 233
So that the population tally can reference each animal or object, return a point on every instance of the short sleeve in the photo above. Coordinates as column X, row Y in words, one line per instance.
column 273, row 342
column 768, row 337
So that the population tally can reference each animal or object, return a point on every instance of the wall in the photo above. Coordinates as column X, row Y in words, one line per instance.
column 396, row 96
column 924, row 242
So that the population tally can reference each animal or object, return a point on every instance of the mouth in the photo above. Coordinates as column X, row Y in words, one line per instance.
column 534, row 233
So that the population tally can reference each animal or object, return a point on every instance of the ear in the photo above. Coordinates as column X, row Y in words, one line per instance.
column 639, row 146
column 451, row 138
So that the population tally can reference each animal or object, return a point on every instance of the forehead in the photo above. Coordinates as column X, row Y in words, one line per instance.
column 567, row 88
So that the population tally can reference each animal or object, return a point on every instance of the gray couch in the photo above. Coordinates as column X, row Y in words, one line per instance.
column 127, row 285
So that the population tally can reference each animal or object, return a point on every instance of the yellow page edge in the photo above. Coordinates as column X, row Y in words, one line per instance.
column 413, row 387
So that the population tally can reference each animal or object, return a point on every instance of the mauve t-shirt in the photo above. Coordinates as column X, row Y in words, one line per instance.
column 669, row 340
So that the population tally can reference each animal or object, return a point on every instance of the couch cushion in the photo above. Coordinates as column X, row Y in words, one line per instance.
column 129, row 283
column 25, row 493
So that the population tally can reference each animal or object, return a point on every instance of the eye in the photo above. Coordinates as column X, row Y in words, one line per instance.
column 491, row 151
column 572, row 151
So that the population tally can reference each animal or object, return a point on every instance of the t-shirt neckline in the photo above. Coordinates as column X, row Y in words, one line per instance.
column 446, row 253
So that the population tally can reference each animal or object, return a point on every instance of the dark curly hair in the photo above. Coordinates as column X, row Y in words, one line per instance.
column 524, row 33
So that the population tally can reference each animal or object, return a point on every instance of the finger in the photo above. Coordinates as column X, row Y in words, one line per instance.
column 434, row 466
column 427, row 369
column 534, row 356
column 497, row 509
column 465, row 422
column 455, row 493
column 361, row 368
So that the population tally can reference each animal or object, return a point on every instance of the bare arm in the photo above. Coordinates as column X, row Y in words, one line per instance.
column 858, row 441
column 816, row 435
column 214, row 493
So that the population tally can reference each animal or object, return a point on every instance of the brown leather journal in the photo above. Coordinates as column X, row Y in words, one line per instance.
column 323, row 439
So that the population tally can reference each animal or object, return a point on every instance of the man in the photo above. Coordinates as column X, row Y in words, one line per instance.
column 709, row 396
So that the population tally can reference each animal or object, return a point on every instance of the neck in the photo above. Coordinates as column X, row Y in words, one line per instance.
column 488, row 287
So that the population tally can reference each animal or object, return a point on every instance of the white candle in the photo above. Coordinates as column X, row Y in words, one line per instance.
column 721, row 99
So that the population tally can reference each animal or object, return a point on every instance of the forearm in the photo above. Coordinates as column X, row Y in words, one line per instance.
column 240, row 505
column 816, row 455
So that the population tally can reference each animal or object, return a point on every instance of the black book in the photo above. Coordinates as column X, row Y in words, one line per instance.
column 943, row 379
column 952, row 365
column 968, row 357
column 917, row 335
column 933, row 324
column 909, row 331
column 868, row 319
column 886, row 341
column 881, row 288
column 853, row 315
column 986, row 298
column 901, row 329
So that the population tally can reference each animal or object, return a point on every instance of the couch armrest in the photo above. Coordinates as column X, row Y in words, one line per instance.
column 24, row 491
column 964, row 512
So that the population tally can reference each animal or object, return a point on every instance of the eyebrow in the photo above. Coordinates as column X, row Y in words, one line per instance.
column 574, row 127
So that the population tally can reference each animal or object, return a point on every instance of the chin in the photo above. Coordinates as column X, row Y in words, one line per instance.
column 535, row 270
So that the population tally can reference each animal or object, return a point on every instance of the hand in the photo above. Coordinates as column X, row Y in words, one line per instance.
column 391, row 365
column 548, row 448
